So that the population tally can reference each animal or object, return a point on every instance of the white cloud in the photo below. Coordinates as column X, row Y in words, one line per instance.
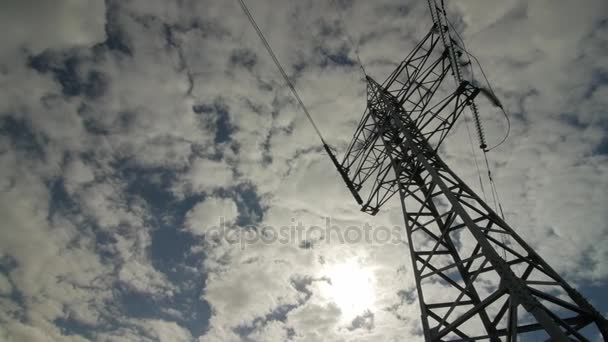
column 105, row 202
column 166, row 331
column 247, row 291
column 54, row 278
column 272, row 331
column 68, row 261
column 5, row 285
column 208, row 214
column 40, row 25
column 78, row 173
column 146, row 330
column 204, row 176
column 142, row 277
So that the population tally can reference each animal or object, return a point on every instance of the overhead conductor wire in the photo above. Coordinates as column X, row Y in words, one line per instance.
column 280, row 68
column 327, row 148
column 492, row 97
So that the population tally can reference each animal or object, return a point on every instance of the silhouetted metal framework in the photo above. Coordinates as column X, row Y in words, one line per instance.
column 476, row 278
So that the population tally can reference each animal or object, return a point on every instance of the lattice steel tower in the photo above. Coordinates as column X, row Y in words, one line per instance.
column 486, row 282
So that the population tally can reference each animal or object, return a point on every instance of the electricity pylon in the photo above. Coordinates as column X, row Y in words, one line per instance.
column 476, row 278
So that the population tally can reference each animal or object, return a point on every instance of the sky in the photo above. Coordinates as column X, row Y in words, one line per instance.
column 145, row 145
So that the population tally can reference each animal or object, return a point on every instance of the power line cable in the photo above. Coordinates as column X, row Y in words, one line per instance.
column 485, row 151
column 280, row 68
column 483, row 192
column 496, row 102
column 343, row 173
column 494, row 188
column 493, row 97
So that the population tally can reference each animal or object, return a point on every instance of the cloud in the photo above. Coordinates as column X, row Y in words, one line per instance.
column 204, row 176
column 77, row 173
column 165, row 331
column 37, row 26
column 128, row 128
column 210, row 213
column 49, row 261
column 147, row 330
column 5, row 286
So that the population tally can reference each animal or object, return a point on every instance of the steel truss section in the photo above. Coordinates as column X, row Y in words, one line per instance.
column 476, row 278
column 456, row 242
column 415, row 85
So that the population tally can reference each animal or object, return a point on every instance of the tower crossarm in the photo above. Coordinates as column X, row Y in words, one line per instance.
column 417, row 87
column 366, row 162
column 454, row 52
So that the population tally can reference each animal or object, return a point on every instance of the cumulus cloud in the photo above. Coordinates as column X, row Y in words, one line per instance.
column 204, row 176
column 211, row 213
column 5, row 285
column 127, row 128
column 37, row 26
column 78, row 173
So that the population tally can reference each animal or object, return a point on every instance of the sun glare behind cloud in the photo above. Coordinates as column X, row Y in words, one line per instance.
column 351, row 287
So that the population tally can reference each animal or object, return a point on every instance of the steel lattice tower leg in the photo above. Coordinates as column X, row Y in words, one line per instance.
column 476, row 278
